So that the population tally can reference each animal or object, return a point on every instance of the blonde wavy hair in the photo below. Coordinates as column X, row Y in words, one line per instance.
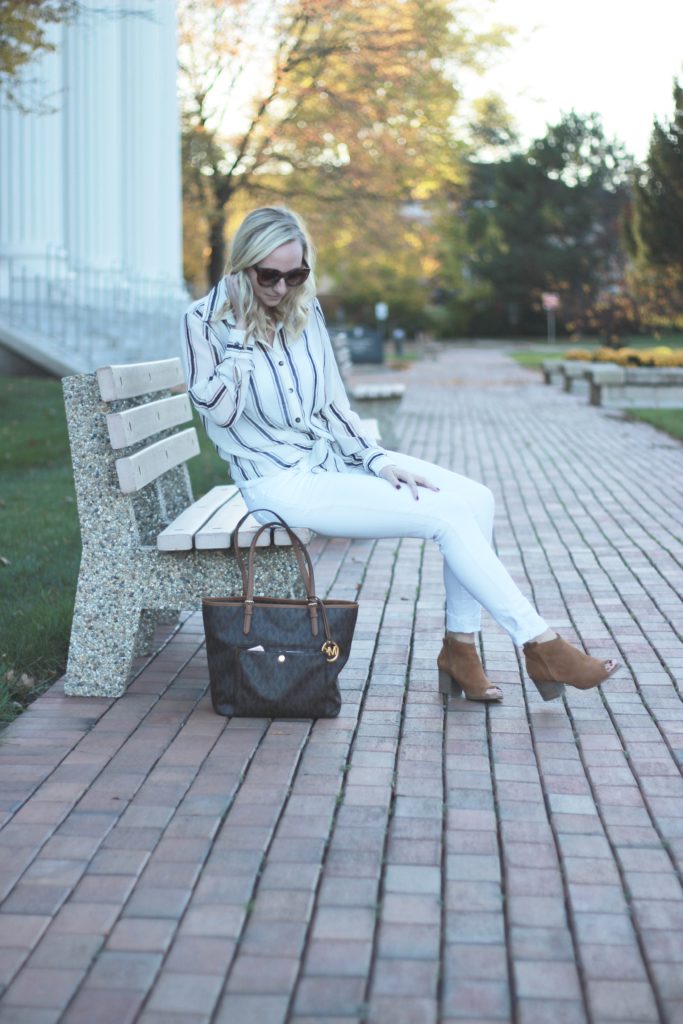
column 260, row 232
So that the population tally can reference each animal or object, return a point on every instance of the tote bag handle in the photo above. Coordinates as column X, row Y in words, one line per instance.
column 305, row 568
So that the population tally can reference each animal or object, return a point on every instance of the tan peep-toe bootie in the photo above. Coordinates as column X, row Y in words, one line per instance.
column 555, row 663
column 460, row 671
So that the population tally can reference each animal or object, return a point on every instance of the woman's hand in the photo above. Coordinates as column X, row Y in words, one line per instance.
column 395, row 476
column 240, row 322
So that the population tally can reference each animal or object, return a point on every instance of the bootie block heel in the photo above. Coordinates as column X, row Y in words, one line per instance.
column 555, row 664
column 460, row 671
column 448, row 685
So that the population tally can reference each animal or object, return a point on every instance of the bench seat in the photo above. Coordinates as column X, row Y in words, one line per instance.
column 208, row 523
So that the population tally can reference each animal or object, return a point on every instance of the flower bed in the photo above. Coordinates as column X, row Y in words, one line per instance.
column 660, row 356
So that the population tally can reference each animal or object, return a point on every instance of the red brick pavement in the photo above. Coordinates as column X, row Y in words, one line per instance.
column 401, row 863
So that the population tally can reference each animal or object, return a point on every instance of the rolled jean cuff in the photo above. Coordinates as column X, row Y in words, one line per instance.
column 455, row 625
column 528, row 632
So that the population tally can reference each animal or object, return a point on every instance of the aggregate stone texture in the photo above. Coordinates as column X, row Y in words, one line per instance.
column 414, row 860
column 126, row 587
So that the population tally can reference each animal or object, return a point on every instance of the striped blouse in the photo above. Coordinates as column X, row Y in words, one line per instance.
column 269, row 408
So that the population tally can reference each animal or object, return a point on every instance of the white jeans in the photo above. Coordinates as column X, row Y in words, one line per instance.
column 459, row 517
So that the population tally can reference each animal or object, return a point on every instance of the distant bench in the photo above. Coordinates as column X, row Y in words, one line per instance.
column 636, row 386
column 570, row 374
column 360, row 392
column 612, row 385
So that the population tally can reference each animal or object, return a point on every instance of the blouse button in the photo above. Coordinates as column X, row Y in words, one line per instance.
column 291, row 390
column 298, row 419
column 281, row 363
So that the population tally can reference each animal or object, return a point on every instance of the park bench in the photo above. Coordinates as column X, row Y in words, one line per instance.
column 573, row 377
column 149, row 550
column 552, row 371
column 360, row 392
column 612, row 385
column 635, row 386
column 570, row 374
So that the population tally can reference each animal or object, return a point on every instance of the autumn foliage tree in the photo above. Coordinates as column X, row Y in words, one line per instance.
column 24, row 36
column 341, row 107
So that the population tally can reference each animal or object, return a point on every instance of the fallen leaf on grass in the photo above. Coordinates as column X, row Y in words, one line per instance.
column 4, row 561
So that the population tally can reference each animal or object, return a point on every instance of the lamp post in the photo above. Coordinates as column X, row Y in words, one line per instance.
column 381, row 315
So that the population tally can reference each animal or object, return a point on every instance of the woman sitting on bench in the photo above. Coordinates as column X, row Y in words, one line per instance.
column 261, row 373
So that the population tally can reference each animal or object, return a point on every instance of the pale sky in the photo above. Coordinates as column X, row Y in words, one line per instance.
column 616, row 57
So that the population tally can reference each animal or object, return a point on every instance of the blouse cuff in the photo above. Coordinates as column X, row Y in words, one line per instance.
column 377, row 461
column 234, row 362
column 236, row 344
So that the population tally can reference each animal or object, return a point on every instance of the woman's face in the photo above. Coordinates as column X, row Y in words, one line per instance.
column 285, row 258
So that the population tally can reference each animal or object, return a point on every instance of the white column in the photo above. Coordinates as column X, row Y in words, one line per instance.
column 151, row 187
column 92, row 145
column 99, row 178
column 31, row 212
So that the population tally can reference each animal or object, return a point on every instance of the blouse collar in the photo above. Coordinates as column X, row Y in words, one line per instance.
column 215, row 300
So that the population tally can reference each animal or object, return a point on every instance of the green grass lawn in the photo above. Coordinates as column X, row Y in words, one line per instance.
column 668, row 420
column 39, row 535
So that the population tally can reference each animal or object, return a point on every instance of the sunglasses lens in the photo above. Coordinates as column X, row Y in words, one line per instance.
column 268, row 278
column 297, row 277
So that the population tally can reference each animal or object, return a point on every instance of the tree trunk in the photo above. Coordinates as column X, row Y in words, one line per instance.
column 216, row 261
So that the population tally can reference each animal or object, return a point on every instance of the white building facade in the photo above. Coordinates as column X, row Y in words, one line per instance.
column 90, row 192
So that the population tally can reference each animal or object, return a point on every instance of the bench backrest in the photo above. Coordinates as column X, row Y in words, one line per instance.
column 342, row 353
column 136, row 423
column 121, row 480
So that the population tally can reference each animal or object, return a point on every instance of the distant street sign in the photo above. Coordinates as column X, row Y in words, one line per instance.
column 551, row 300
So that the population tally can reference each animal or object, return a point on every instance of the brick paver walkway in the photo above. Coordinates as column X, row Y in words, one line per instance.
column 399, row 864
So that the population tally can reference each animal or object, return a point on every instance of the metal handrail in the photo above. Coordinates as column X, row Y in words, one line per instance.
column 100, row 315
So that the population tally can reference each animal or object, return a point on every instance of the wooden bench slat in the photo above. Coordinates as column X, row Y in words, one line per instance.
column 224, row 519
column 281, row 537
column 129, row 381
column 179, row 535
column 133, row 425
column 136, row 471
column 372, row 391
column 217, row 531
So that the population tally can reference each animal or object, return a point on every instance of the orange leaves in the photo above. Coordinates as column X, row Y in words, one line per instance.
column 322, row 101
